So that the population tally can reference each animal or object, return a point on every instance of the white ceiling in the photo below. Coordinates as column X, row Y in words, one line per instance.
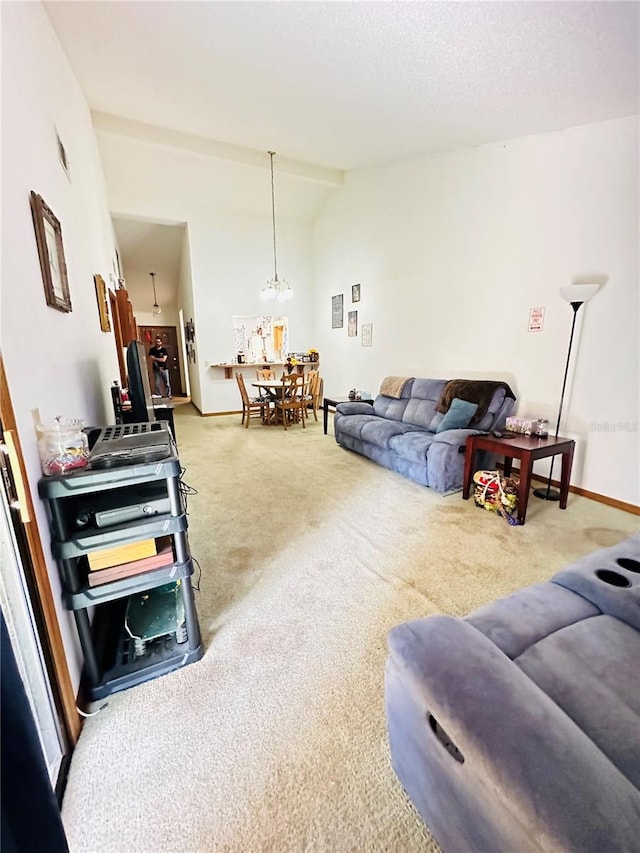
column 147, row 247
column 349, row 84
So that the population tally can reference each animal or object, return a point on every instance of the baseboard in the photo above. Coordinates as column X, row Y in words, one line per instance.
column 585, row 493
column 219, row 414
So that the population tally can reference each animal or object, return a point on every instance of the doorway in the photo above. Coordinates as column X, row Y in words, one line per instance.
column 169, row 335
column 27, row 604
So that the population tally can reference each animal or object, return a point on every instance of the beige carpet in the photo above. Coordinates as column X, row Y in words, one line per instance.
column 275, row 740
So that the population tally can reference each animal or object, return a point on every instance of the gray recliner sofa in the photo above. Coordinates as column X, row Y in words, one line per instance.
column 400, row 432
column 517, row 728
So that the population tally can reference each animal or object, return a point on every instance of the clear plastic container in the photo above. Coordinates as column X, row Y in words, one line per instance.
column 63, row 446
column 541, row 428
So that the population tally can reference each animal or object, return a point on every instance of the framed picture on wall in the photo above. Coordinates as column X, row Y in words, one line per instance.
column 103, row 303
column 337, row 311
column 367, row 334
column 355, row 293
column 50, row 254
column 353, row 324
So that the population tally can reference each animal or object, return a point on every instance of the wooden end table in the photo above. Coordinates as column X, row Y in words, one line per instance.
column 526, row 448
column 332, row 402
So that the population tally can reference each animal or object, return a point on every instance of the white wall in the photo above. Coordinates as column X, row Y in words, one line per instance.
column 231, row 251
column 185, row 300
column 140, row 290
column 454, row 249
column 61, row 364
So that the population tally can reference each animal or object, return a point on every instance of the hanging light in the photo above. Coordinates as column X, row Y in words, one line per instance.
column 156, row 308
column 275, row 288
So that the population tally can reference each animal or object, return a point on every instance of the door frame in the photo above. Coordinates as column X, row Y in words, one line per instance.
column 158, row 330
column 37, row 575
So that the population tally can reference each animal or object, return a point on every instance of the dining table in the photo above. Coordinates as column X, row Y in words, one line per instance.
column 275, row 390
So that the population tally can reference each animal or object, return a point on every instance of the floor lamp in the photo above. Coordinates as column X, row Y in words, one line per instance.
column 576, row 295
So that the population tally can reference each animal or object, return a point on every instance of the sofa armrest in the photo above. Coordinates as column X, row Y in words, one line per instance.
column 530, row 778
column 355, row 408
column 456, row 437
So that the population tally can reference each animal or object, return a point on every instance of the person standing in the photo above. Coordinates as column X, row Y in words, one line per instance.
column 160, row 358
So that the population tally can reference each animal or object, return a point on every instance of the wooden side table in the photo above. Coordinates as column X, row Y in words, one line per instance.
column 526, row 448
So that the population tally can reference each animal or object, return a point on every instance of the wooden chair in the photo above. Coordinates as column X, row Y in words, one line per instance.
column 315, row 392
column 266, row 373
column 251, row 405
column 291, row 406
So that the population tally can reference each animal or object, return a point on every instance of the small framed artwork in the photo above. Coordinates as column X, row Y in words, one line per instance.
column 367, row 334
column 51, row 255
column 337, row 311
column 355, row 293
column 353, row 324
column 103, row 305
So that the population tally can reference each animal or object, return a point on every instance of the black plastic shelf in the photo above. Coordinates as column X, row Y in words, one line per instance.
column 96, row 539
column 115, row 649
column 88, row 480
column 112, row 590
column 110, row 663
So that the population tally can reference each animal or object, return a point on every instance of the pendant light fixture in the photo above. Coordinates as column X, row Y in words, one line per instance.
column 156, row 308
column 275, row 288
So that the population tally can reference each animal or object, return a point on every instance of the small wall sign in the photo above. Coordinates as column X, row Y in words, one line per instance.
column 536, row 319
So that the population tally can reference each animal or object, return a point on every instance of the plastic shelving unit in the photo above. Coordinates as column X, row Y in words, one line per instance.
column 110, row 660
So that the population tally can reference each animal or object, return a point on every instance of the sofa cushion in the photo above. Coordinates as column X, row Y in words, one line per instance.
column 528, row 615
column 391, row 408
column 379, row 431
column 352, row 424
column 459, row 415
column 590, row 670
column 412, row 446
column 421, row 407
column 497, row 400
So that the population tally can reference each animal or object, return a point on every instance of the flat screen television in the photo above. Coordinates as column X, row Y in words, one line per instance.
column 139, row 388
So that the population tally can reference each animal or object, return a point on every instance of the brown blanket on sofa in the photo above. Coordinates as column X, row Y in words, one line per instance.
column 478, row 391
column 393, row 386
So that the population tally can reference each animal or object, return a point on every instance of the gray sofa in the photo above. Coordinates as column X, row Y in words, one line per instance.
column 517, row 728
column 400, row 433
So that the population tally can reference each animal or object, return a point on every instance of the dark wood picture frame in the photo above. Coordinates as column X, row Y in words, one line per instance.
column 353, row 324
column 51, row 254
column 103, row 303
column 337, row 311
column 355, row 293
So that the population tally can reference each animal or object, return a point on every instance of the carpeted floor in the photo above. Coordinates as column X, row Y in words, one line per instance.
column 275, row 740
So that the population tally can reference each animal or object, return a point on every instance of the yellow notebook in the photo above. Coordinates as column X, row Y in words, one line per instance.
column 121, row 554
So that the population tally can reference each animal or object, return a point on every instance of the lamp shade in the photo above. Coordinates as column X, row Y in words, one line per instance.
column 579, row 292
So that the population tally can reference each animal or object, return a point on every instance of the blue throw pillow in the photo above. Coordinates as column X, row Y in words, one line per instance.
column 459, row 415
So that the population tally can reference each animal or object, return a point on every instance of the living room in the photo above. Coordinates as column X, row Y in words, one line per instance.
column 451, row 248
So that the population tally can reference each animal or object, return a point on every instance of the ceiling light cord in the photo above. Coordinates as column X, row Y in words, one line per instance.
column 156, row 308
column 273, row 218
column 275, row 288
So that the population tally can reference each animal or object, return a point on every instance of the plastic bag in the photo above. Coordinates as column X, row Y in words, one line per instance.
column 497, row 494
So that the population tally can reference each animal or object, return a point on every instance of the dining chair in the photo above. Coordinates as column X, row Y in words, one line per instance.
column 315, row 392
column 266, row 373
column 291, row 405
column 251, row 405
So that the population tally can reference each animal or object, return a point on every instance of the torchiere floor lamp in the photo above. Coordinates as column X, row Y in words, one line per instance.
column 577, row 295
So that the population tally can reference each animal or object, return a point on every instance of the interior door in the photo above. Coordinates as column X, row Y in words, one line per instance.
column 169, row 335
column 25, row 574
column 24, row 626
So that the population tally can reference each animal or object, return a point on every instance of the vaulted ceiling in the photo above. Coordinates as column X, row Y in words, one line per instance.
column 344, row 85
